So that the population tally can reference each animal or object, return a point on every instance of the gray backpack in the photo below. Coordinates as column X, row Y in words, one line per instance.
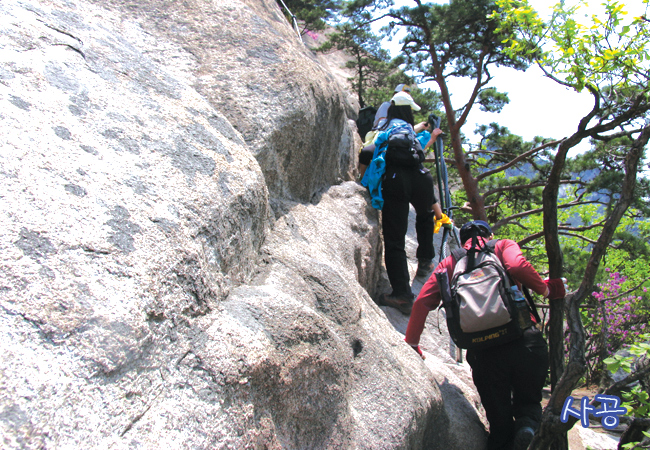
column 479, row 303
column 403, row 148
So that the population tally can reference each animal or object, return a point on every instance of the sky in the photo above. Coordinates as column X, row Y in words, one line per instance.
column 538, row 105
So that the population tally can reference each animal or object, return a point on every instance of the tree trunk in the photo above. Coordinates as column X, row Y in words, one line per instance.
column 556, row 340
column 553, row 433
column 634, row 431
column 555, row 260
column 470, row 183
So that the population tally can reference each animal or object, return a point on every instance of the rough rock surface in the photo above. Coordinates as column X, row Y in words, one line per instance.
column 252, row 67
column 183, row 263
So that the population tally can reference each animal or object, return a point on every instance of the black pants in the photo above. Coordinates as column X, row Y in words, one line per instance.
column 365, row 156
column 510, row 378
column 403, row 186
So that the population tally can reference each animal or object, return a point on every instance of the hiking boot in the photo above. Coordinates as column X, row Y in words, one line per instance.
column 425, row 267
column 402, row 303
column 523, row 437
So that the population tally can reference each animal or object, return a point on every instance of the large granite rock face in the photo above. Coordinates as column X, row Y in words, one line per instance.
column 253, row 68
column 183, row 264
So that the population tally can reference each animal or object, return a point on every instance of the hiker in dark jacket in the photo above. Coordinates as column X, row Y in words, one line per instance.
column 379, row 123
column 509, row 377
column 401, row 187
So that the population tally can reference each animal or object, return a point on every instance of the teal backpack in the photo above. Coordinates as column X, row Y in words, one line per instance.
column 396, row 146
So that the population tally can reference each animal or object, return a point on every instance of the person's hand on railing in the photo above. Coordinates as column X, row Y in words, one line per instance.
column 557, row 288
column 444, row 221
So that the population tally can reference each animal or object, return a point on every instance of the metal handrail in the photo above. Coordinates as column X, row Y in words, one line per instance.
column 294, row 21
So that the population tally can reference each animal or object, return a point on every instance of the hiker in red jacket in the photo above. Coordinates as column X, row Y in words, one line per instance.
column 509, row 377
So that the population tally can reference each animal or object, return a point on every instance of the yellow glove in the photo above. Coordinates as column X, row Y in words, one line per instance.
column 444, row 220
column 370, row 137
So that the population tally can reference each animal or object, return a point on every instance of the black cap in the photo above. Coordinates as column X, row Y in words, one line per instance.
column 478, row 227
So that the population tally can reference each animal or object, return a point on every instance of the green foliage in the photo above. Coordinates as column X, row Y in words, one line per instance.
column 625, row 362
column 615, row 317
column 376, row 75
column 515, row 190
column 370, row 62
column 635, row 445
column 619, row 307
column 608, row 158
column 430, row 102
column 608, row 54
column 592, row 184
column 600, row 173
column 604, row 48
column 457, row 34
column 636, row 400
column 443, row 41
column 490, row 100
column 313, row 14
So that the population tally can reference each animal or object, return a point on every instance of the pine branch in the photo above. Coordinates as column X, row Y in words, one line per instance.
column 552, row 77
column 525, row 155
column 540, row 234
column 582, row 125
column 486, row 152
column 585, row 228
column 616, row 135
column 639, row 106
column 509, row 219
column 526, row 186
column 530, row 238
column 584, row 238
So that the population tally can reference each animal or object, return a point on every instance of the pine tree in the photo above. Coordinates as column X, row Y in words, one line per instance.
column 312, row 14
column 444, row 41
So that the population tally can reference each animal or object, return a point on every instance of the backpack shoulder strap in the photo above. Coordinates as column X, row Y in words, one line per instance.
column 458, row 254
column 491, row 245
column 531, row 303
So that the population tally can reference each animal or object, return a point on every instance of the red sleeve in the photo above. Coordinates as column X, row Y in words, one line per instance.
column 428, row 300
column 518, row 267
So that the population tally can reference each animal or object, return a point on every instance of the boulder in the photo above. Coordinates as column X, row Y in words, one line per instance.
column 184, row 264
column 251, row 66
